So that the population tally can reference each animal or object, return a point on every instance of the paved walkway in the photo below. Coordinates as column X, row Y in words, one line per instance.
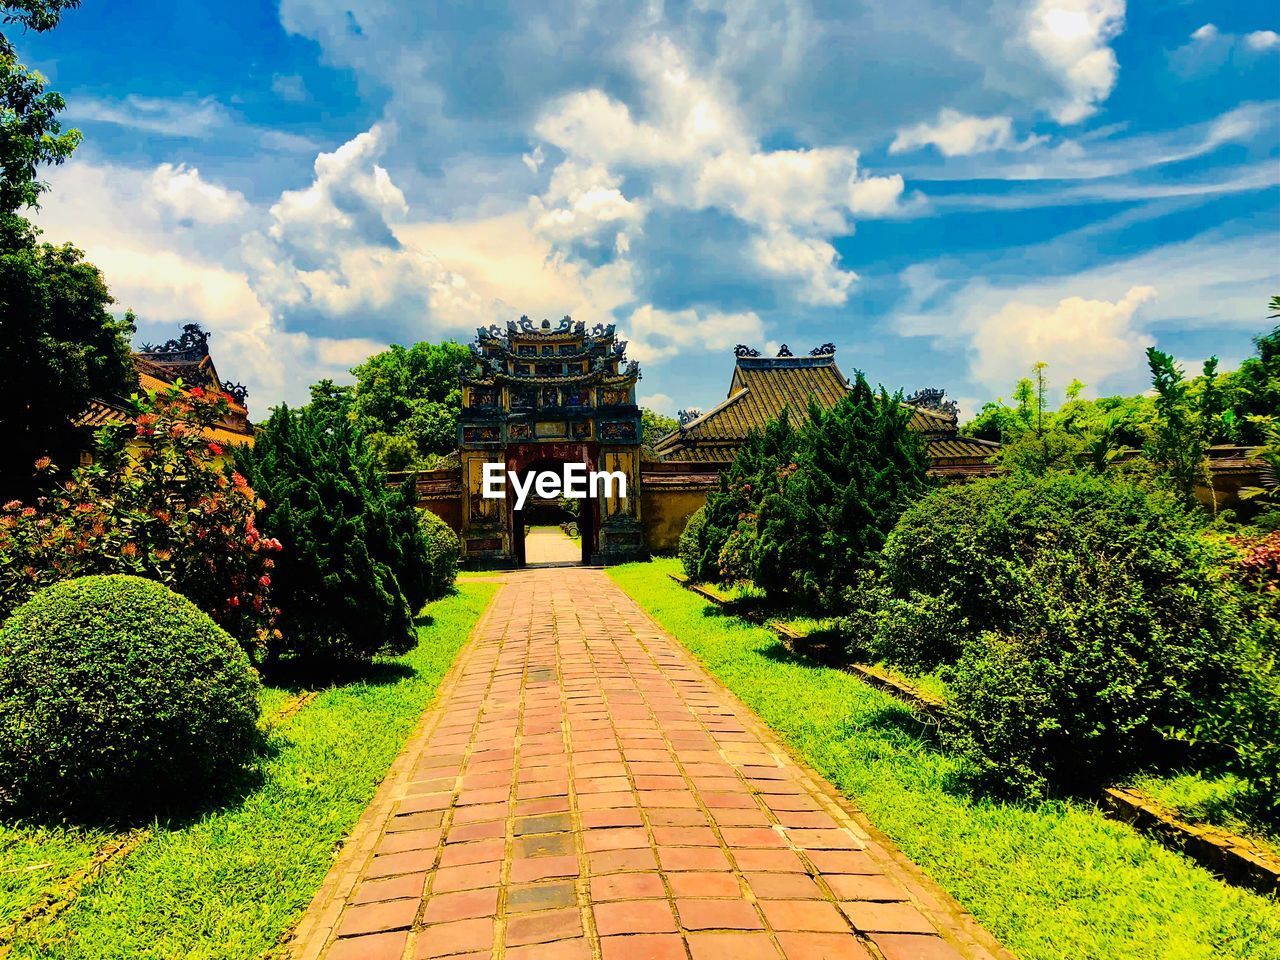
column 585, row 791
column 551, row 545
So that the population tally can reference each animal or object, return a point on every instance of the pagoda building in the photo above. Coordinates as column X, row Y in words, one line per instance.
column 541, row 396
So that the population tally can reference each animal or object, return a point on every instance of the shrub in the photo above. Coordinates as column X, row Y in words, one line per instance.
column 119, row 697
column 690, row 548
column 825, row 517
column 344, row 539
column 158, row 502
column 443, row 553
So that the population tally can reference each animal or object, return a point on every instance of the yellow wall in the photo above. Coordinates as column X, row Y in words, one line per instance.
column 665, row 514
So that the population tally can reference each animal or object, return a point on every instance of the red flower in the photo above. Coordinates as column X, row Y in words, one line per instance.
column 197, row 392
column 215, row 449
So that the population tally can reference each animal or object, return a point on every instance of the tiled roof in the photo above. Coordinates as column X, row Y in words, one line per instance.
column 762, row 387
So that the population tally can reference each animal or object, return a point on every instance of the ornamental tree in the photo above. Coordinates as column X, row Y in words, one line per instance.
column 159, row 502
column 344, row 539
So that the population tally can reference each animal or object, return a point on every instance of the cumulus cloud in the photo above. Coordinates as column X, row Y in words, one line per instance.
column 330, row 261
column 660, row 402
column 1093, row 339
column 1210, row 49
column 182, row 193
column 1071, row 37
column 1262, row 40
column 655, row 334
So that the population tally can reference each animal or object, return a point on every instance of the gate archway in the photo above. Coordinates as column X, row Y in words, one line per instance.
column 541, row 395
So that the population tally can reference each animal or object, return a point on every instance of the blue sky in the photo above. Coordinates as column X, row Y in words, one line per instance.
column 950, row 193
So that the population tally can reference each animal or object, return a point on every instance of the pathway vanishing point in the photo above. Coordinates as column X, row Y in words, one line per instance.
column 584, row 790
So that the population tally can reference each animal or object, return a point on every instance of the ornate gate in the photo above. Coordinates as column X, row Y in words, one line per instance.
column 541, row 395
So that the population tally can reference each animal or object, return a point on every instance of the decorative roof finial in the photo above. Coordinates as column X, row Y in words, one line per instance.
column 826, row 350
column 785, row 351
column 742, row 350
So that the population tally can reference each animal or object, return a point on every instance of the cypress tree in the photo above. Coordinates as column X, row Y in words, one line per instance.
column 343, row 539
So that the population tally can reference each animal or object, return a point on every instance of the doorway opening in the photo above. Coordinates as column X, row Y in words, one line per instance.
column 552, row 532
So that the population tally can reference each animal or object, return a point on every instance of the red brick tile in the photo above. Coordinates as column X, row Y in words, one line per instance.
column 672, row 817
column 482, row 851
column 743, row 801
column 732, row 946
column 408, row 840
column 575, row 949
column 692, row 858
column 718, row 915
column 469, row 877
column 607, row 801
column 593, row 819
column 617, row 861
column 429, row 801
column 905, row 946
column 626, row 886
column 465, row 832
column 480, row 813
column 464, row 905
column 887, row 918
column 815, row 915
column 822, row 946
column 461, row 936
column 393, row 888
column 416, row 821
column 548, row 895
column 621, row 838
column 768, row 861
column 824, row 839
column 544, row 926
column 685, row 837
column 667, row 798
column 695, row 884
column 635, row 916
column 376, row 917
column 543, row 868
column 784, row 886
column 542, row 805
column 736, row 838
column 375, row 946
column 411, row 861
column 843, row 861
column 644, row 946
column 855, row 887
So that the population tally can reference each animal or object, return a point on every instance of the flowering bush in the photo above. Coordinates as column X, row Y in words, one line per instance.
column 157, row 502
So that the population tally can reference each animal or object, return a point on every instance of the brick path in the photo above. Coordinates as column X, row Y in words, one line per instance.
column 585, row 791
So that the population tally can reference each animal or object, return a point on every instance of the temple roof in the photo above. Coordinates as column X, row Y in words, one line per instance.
column 762, row 387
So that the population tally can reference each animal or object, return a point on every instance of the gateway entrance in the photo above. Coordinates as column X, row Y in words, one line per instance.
column 539, row 397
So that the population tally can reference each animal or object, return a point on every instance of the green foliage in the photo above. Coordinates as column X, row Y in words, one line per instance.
column 860, row 465
column 118, row 697
column 59, row 346
column 1251, row 393
column 157, row 502
column 443, row 553
column 1186, row 423
column 654, row 426
column 1098, row 597
column 407, row 401
column 690, row 549
column 347, row 539
column 30, row 133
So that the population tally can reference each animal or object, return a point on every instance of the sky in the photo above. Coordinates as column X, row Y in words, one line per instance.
column 948, row 192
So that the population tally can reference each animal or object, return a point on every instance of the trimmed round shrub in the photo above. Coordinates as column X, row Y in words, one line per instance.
column 690, row 548
column 120, row 698
column 443, row 553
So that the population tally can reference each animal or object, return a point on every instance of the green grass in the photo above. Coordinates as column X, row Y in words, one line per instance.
column 1204, row 798
column 1051, row 880
column 232, row 883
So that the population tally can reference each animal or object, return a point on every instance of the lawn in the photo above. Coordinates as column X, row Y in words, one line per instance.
column 1051, row 880
column 232, row 883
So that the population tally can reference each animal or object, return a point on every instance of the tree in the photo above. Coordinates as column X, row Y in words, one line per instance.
column 30, row 133
column 1184, row 424
column 336, row 582
column 654, row 426
column 415, row 394
column 60, row 346
column 860, row 465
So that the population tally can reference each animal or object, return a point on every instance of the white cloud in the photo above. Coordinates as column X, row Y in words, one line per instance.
column 957, row 134
column 1262, row 40
column 196, row 119
column 1071, row 37
column 655, row 334
column 810, row 264
column 1092, row 339
column 182, row 193
column 289, row 87
column 1204, row 34
column 585, row 204
column 659, row 402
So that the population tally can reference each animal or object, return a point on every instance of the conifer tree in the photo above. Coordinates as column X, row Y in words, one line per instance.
column 336, row 580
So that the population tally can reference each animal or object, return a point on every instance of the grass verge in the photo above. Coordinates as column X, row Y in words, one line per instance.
column 232, row 883
column 1050, row 880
